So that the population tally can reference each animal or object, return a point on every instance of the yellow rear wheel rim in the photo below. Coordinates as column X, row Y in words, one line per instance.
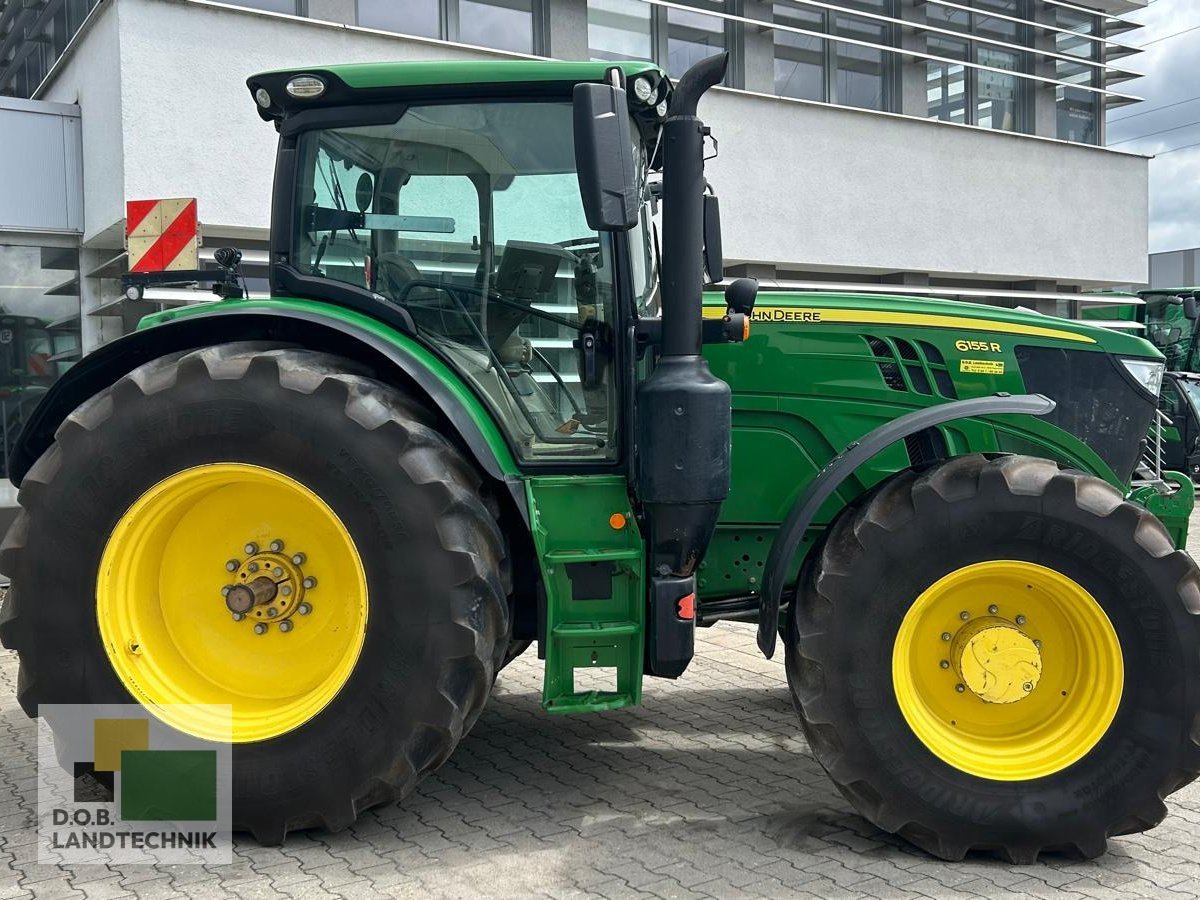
column 162, row 607
column 1007, row 670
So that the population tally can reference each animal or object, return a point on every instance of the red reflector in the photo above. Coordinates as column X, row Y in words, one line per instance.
column 687, row 607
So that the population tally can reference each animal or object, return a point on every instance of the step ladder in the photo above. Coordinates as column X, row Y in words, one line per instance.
column 595, row 597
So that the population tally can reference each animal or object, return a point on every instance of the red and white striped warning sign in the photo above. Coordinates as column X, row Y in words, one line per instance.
column 162, row 235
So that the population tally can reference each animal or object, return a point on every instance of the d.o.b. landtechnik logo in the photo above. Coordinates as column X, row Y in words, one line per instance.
column 116, row 785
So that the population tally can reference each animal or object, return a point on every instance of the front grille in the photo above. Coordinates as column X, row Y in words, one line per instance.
column 1097, row 400
column 912, row 366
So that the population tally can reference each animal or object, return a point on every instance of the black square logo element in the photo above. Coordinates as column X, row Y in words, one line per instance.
column 92, row 786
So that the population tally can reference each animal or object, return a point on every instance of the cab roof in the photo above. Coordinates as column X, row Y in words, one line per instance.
column 354, row 83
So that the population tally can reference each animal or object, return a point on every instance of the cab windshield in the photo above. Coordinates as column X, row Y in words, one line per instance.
column 468, row 215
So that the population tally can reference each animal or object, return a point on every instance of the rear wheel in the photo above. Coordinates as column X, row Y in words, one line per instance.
column 273, row 530
column 995, row 654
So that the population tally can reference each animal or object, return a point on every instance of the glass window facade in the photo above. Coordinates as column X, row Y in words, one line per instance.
column 1077, row 112
column 983, row 93
column 39, row 330
column 620, row 29
column 502, row 24
column 800, row 59
column 420, row 17
column 811, row 67
column 691, row 36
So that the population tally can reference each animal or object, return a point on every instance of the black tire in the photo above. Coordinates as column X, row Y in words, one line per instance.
column 515, row 649
column 880, row 555
column 435, row 562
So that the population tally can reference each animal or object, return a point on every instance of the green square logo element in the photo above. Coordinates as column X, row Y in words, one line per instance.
column 168, row 785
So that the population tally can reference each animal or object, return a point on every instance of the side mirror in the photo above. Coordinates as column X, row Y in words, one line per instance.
column 604, row 157
column 741, row 294
column 714, row 260
column 1191, row 308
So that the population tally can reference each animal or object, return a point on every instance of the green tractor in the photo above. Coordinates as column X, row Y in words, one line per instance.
column 481, row 410
column 1168, row 316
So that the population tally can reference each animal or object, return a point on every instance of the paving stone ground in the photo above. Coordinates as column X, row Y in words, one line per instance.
column 707, row 790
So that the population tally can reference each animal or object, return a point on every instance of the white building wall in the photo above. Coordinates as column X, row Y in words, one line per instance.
column 820, row 187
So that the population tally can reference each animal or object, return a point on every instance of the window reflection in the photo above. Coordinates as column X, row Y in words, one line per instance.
column 1077, row 112
column 503, row 24
column 419, row 17
column 39, row 330
column 619, row 29
column 860, row 69
column 982, row 94
column 692, row 36
column 799, row 58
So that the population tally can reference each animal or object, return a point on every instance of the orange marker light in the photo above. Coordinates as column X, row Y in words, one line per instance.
column 616, row 521
column 745, row 328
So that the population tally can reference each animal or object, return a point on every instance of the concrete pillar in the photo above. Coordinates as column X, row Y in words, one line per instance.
column 758, row 49
column 1048, row 307
column 913, row 97
column 342, row 11
column 567, row 34
column 1043, row 111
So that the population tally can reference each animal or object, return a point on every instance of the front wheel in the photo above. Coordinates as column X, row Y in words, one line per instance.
column 995, row 654
column 276, row 531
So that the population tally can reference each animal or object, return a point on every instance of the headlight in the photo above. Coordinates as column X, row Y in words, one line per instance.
column 1147, row 373
column 643, row 89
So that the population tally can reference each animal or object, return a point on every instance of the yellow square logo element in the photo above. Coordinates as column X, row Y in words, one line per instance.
column 111, row 736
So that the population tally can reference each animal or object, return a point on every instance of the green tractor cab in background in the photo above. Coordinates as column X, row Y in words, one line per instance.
column 481, row 409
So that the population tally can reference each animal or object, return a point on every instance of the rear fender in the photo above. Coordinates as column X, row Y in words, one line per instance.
column 397, row 357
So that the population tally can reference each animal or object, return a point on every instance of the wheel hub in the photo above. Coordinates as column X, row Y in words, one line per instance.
column 269, row 586
column 996, row 660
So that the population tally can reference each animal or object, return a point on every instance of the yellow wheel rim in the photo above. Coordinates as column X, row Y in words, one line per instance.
column 164, row 608
column 1007, row 670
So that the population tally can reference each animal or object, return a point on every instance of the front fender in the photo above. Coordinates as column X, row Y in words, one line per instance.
column 298, row 322
column 802, row 513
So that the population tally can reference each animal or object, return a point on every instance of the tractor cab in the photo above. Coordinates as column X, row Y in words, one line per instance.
column 460, row 213
column 1180, row 401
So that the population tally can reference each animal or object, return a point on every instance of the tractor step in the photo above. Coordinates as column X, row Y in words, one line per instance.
column 594, row 621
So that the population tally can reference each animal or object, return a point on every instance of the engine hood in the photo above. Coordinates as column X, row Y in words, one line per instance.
column 887, row 309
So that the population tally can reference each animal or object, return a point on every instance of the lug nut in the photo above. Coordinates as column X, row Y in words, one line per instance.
column 299, row 559
column 1038, row 644
column 1027, row 686
column 272, row 612
column 232, row 565
column 964, row 615
column 945, row 635
column 251, row 548
column 304, row 609
column 1020, row 620
column 959, row 688
column 286, row 590
column 310, row 582
column 277, row 572
column 285, row 626
column 945, row 664
column 237, row 617
column 993, row 609
column 226, row 589
column 260, row 628
column 253, row 567
column 276, row 545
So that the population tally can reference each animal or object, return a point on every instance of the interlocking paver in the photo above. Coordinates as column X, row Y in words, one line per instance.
column 707, row 790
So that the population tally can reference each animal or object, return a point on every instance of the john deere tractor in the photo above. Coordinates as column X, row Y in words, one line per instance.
column 481, row 410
